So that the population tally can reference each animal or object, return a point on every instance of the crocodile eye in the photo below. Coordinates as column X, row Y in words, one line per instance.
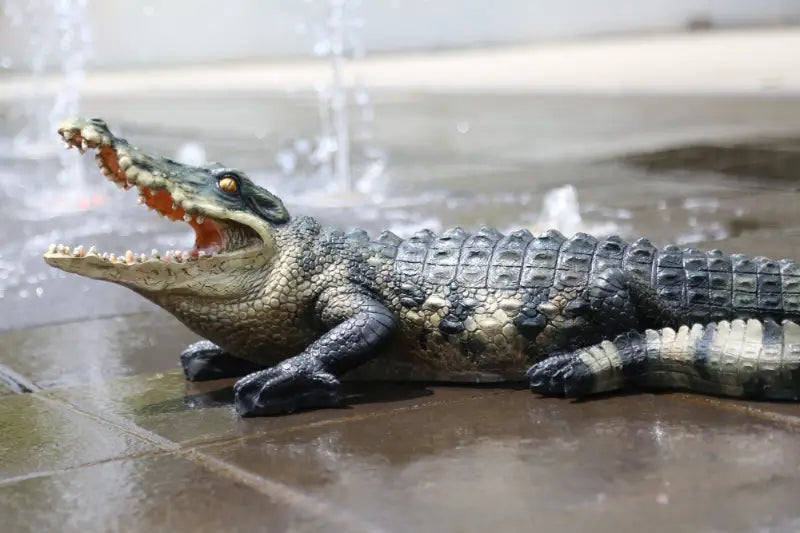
column 228, row 184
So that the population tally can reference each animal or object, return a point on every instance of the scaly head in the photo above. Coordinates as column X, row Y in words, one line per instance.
column 233, row 219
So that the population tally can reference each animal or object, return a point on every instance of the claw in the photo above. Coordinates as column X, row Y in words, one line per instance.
column 275, row 391
column 561, row 375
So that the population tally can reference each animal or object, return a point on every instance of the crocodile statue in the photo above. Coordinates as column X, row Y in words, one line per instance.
column 290, row 307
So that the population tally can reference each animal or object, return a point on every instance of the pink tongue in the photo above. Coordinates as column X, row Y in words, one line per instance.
column 208, row 237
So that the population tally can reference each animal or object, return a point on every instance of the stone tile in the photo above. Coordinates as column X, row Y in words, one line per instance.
column 95, row 350
column 39, row 435
column 161, row 493
column 514, row 462
column 192, row 413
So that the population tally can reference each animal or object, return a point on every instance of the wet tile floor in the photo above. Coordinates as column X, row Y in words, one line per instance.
column 114, row 439
column 120, row 446
column 139, row 451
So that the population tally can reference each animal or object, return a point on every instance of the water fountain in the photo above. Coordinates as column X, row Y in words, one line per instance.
column 341, row 156
column 58, row 33
column 57, row 36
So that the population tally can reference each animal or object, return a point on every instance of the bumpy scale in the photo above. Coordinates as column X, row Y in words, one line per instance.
column 293, row 306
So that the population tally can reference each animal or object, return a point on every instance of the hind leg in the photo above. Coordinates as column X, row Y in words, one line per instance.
column 754, row 359
column 603, row 367
column 204, row 360
column 616, row 306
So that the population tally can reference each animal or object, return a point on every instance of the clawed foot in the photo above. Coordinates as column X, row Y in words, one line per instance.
column 284, row 389
column 204, row 360
column 561, row 375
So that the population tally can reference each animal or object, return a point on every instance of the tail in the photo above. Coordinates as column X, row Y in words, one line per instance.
column 742, row 359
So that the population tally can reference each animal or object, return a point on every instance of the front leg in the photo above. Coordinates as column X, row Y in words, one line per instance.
column 204, row 360
column 356, row 327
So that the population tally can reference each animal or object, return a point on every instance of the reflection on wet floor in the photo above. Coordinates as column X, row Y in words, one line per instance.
column 119, row 440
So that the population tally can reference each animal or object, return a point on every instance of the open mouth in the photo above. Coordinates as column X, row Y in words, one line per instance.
column 213, row 236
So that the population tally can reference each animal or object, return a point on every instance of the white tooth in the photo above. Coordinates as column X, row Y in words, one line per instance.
column 200, row 219
column 174, row 206
column 201, row 254
column 66, row 250
column 78, row 251
column 154, row 254
column 140, row 200
column 144, row 177
column 142, row 258
column 67, row 145
column 168, row 256
column 124, row 162
column 105, row 256
column 112, row 257
column 90, row 134
column 83, row 147
column 129, row 257
column 187, row 217
column 132, row 173
column 92, row 251
column 51, row 249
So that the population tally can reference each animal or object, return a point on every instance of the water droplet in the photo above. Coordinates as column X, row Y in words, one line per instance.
column 24, row 293
column 287, row 160
column 39, row 292
column 191, row 153
column 462, row 126
column 322, row 48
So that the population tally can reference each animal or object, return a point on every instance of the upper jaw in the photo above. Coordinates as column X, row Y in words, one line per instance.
column 161, row 189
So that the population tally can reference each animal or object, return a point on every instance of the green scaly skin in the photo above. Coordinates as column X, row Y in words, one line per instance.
column 293, row 306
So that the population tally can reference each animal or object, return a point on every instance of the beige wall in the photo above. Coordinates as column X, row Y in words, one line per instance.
column 157, row 32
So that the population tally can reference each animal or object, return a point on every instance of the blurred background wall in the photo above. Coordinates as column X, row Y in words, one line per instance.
column 129, row 33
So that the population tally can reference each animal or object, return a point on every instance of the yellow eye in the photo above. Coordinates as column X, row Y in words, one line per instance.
column 228, row 184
